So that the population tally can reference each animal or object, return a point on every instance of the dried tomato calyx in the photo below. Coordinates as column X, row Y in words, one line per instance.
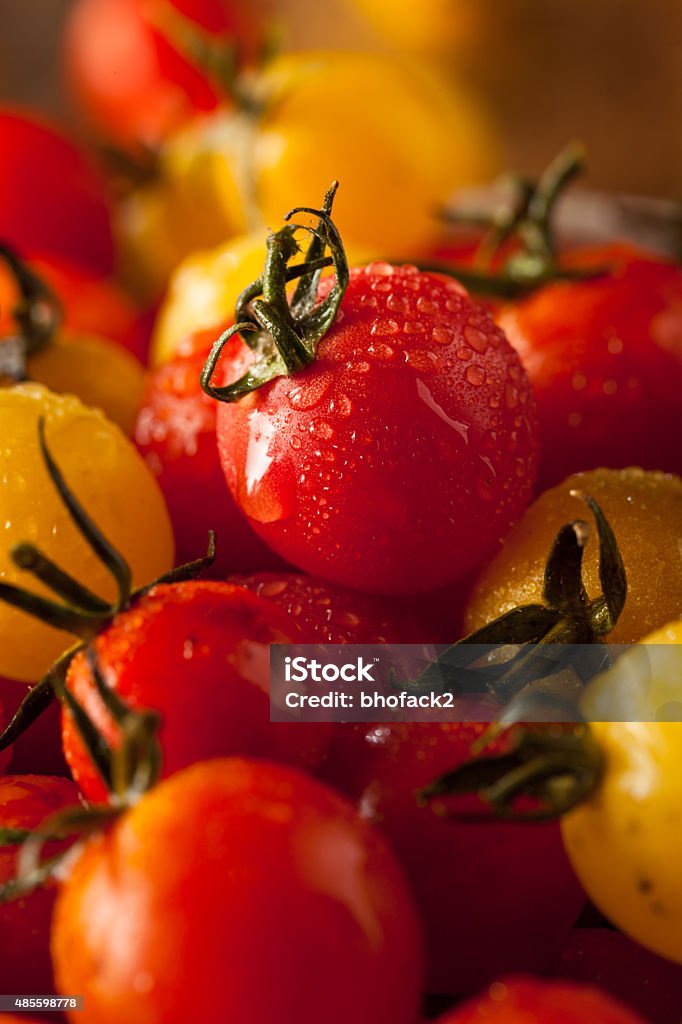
column 526, row 219
column 285, row 331
column 542, row 775
column 566, row 616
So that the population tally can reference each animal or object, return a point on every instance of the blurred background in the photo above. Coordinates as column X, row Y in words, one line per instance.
column 605, row 71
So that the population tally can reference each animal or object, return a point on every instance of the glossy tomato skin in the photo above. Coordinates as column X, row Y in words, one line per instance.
column 64, row 213
column 277, row 905
column 175, row 431
column 605, row 360
column 397, row 459
column 25, row 802
column 636, row 977
column 327, row 613
column 531, row 1001
column 198, row 653
column 645, row 512
column 494, row 896
column 130, row 79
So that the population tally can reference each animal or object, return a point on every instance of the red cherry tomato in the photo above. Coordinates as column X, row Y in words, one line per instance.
column 326, row 613
column 398, row 458
column 25, row 966
column 198, row 653
column 52, row 199
column 176, row 433
column 605, row 360
column 494, row 896
column 39, row 750
column 239, row 891
column 641, row 980
column 91, row 303
column 529, row 1001
column 130, row 79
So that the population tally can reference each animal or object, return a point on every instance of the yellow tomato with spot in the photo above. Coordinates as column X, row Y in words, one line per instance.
column 101, row 373
column 397, row 135
column 625, row 842
column 644, row 509
column 111, row 481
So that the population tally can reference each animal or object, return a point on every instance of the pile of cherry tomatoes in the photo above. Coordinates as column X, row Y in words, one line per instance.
column 386, row 429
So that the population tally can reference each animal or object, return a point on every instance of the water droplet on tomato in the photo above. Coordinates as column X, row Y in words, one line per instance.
column 309, row 394
column 341, row 406
column 476, row 338
column 475, row 375
column 321, row 429
column 383, row 327
column 398, row 303
column 442, row 335
column 380, row 268
column 425, row 305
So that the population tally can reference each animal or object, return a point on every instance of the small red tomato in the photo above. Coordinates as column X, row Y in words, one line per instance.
column 605, row 360
column 38, row 751
column 403, row 453
column 327, row 613
column 176, row 434
column 494, row 896
column 197, row 653
column 529, row 1001
column 91, row 303
column 636, row 977
column 131, row 79
column 239, row 891
column 25, row 966
column 52, row 199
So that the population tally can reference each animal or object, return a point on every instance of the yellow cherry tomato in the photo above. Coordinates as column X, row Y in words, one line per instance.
column 437, row 27
column 203, row 292
column 645, row 513
column 113, row 484
column 398, row 136
column 193, row 203
column 101, row 373
column 625, row 842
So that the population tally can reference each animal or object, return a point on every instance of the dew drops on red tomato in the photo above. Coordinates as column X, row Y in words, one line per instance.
column 399, row 458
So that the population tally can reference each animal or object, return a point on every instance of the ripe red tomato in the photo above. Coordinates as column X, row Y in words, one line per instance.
column 52, row 199
column 239, row 891
column 396, row 460
column 327, row 613
column 176, row 433
column 605, row 360
column 198, row 653
column 91, row 303
column 627, row 971
column 527, row 1000
column 130, row 80
column 39, row 750
column 25, row 802
column 494, row 896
